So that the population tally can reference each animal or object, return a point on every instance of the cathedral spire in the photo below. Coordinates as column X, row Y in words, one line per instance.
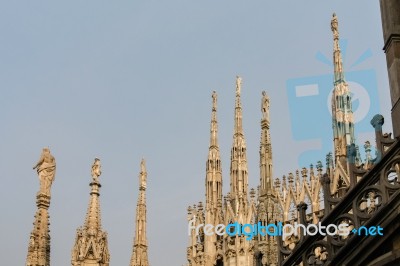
column 213, row 167
column 266, row 178
column 213, row 184
column 238, row 131
column 91, row 244
column 214, row 123
column 342, row 113
column 238, row 169
column 93, row 217
column 139, row 253
column 39, row 240
column 337, row 56
column 268, row 211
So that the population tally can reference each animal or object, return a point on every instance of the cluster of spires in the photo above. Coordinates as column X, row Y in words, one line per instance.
column 271, row 202
column 91, row 242
column 274, row 200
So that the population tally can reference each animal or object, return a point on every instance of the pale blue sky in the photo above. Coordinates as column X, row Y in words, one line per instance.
column 122, row 80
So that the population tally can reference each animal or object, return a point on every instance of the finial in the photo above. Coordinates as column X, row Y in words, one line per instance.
column 214, row 98
column 143, row 175
column 304, row 172
column 143, row 166
column 238, row 85
column 329, row 160
column 96, row 169
column 291, row 178
column 319, row 166
column 214, row 123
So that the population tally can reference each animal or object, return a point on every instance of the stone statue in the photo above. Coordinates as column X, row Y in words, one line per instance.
column 214, row 98
column 96, row 170
column 238, row 85
column 334, row 25
column 265, row 105
column 81, row 246
column 143, row 174
column 46, row 169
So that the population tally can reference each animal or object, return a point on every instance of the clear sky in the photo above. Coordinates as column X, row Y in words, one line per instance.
column 122, row 80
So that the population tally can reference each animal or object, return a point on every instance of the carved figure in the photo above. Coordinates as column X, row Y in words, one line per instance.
column 334, row 25
column 142, row 175
column 46, row 169
column 214, row 97
column 96, row 170
column 238, row 85
column 265, row 105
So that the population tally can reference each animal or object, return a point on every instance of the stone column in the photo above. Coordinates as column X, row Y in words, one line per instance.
column 390, row 11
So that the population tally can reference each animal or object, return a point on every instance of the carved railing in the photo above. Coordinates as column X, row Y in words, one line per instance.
column 368, row 202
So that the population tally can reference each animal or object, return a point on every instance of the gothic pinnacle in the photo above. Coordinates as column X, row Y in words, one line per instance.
column 337, row 57
column 91, row 242
column 139, row 253
column 265, row 149
column 214, row 123
column 238, row 169
column 39, row 241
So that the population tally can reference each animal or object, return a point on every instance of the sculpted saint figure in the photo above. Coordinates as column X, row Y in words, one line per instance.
column 46, row 169
column 143, row 176
column 334, row 25
column 214, row 98
column 81, row 245
column 96, row 169
column 265, row 105
column 238, row 85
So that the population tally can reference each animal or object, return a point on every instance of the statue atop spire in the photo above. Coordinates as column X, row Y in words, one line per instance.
column 265, row 106
column 238, row 85
column 265, row 149
column 46, row 169
column 39, row 240
column 214, row 98
column 239, row 177
column 337, row 57
column 334, row 25
column 139, row 253
column 91, row 244
column 214, row 123
column 213, row 165
column 342, row 115
column 96, row 170
column 143, row 175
